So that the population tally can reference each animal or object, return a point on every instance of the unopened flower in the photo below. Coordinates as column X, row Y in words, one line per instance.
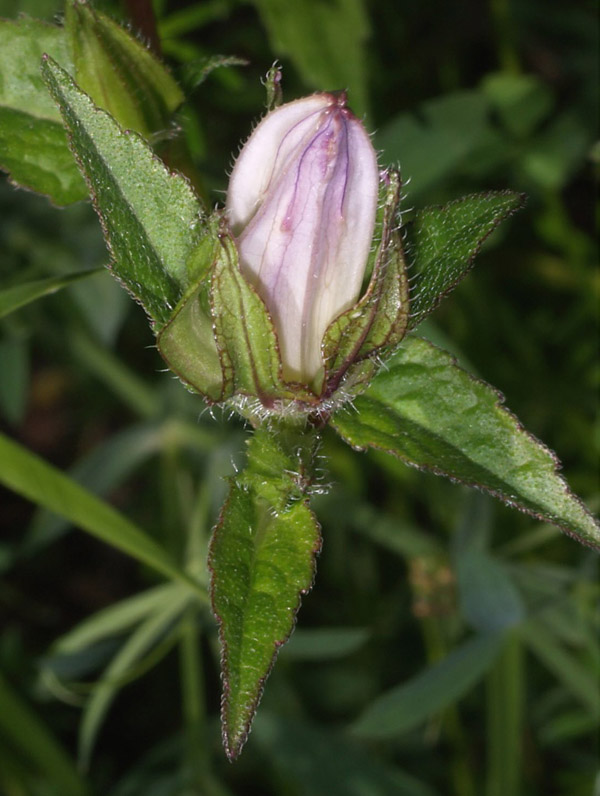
column 301, row 204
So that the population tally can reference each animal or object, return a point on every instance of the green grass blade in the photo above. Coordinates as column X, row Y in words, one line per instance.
column 567, row 669
column 12, row 298
column 139, row 643
column 115, row 619
column 411, row 703
column 38, row 481
column 20, row 725
column 506, row 704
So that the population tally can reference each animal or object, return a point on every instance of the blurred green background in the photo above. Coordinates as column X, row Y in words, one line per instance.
column 394, row 682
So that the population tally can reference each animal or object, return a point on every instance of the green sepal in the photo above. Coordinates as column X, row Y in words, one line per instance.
column 187, row 341
column 245, row 334
column 33, row 142
column 152, row 219
column 262, row 560
column 442, row 243
column 426, row 410
column 120, row 74
column 380, row 318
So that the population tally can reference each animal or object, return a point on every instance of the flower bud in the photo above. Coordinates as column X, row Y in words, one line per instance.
column 301, row 204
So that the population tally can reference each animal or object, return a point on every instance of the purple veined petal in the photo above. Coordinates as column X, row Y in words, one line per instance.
column 305, row 222
column 269, row 145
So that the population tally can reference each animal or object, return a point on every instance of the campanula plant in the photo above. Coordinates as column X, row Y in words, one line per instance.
column 294, row 305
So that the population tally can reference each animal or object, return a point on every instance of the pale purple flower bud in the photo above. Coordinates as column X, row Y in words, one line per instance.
column 301, row 202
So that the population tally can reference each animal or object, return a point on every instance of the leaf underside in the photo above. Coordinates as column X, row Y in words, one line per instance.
column 262, row 559
column 429, row 412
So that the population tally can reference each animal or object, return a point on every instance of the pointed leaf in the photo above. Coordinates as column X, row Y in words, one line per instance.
column 150, row 216
column 12, row 298
column 429, row 412
column 442, row 243
column 33, row 142
column 118, row 71
column 262, row 559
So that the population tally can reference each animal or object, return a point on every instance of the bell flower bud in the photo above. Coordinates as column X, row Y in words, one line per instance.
column 301, row 203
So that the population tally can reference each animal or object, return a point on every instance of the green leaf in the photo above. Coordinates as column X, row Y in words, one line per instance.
column 12, row 298
column 325, row 643
column 139, row 643
column 38, row 481
column 119, row 72
column 434, row 141
column 326, row 42
column 429, row 412
column 521, row 101
column 580, row 681
column 14, row 385
column 339, row 766
column 20, row 725
column 262, row 559
column 442, row 243
column 488, row 597
column 151, row 217
column 33, row 142
column 410, row 704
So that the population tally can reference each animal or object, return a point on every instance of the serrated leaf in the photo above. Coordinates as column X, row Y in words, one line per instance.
column 442, row 243
column 33, row 142
column 151, row 217
column 119, row 72
column 262, row 559
column 408, row 705
column 432, row 414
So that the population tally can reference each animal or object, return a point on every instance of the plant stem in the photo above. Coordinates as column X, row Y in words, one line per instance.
column 504, row 30
column 193, row 704
column 505, row 720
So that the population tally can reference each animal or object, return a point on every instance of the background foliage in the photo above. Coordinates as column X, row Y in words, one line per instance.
column 450, row 644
